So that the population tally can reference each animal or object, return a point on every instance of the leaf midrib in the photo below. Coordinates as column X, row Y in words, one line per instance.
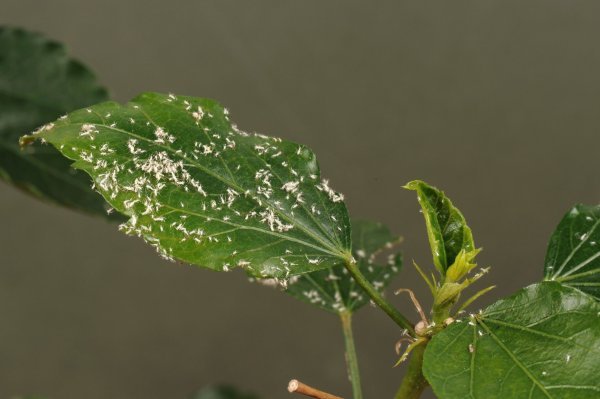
column 566, row 279
column 574, row 250
column 510, row 354
column 224, row 180
column 243, row 227
column 537, row 332
column 333, row 238
column 473, row 354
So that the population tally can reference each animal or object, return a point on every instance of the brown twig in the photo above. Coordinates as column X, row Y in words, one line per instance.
column 415, row 303
column 301, row 388
column 398, row 345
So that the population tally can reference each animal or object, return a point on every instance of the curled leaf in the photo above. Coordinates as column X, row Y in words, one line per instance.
column 463, row 264
column 446, row 227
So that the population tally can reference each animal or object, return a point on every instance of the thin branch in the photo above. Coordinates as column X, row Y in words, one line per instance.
column 431, row 285
column 394, row 314
column 415, row 302
column 351, row 358
column 296, row 386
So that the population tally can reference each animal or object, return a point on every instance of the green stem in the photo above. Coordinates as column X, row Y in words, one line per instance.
column 395, row 315
column 440, row 313
column 413, row 383
column 351, row 358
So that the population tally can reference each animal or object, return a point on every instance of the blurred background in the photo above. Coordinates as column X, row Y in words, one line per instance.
column 496, row 102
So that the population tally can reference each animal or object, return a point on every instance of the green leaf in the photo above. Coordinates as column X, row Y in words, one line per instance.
column 38, row 83
column 542, row 342
column 334, row 289
column 573, row 256
column 446, row 227
column 222, row 392
column 202, row 191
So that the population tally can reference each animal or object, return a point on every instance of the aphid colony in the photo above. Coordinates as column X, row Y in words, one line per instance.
column 198, row 185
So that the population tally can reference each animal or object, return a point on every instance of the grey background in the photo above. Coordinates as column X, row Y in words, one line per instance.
column 494, row 101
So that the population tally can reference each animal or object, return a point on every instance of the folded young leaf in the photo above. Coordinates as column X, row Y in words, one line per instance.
column 542, row 342
column 333, row 289
column 446, row 227
column 204, row 192
column 573, row 256
column 39, row 83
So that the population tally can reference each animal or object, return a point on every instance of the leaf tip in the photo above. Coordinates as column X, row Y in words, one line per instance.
column 26, row 140
column 413, row 185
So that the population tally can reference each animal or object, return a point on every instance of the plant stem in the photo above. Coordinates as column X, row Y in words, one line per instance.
column 394, row 314
column 413, row 383
column 351, row 358
column 298, row 387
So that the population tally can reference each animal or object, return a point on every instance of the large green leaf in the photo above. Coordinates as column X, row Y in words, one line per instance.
column 202, row 191
column 222, row 392
column 38, row 83
column 446, row 227
column 542, row 342
column 573, row 256
column 334, row 289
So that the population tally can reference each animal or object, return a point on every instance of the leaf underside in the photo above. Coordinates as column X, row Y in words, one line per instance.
column 573, row 256
column 542, row 342
column 446, row 227
column 202, row 191
column 38, row 83
column 333, row 289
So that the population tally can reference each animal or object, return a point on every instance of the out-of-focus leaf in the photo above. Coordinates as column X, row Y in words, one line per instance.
column 334, row 289
column 204, row 192
column 222, row 392
column 39, row 82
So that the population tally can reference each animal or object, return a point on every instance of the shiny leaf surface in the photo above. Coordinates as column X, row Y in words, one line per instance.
column 573, row 256
column 542, row 342
column 202, row 191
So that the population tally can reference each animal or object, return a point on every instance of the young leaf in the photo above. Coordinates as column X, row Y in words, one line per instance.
column 542, row 342
column 573, row 256
column 39, row 83
column 446, row 227
column 222, row 392
column 333, row 289
column 202, row 191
